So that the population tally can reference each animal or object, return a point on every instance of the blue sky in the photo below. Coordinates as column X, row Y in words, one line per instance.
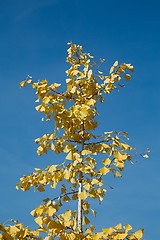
column 33, row 37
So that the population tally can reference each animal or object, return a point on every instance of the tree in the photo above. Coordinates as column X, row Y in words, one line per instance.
column 79, row 176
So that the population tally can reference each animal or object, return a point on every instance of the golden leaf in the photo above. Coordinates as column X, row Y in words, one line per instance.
column 52, row 224
column 104, row 170
column 127, row 77
column 83, row 195
column 22, row 84
column 67, row 174
column 85, row 221
column 75, row 196
column 130, row 67
column 66, row 216
column 94, row 212
column 120, row 236
column 87, row 186
column 51, row 210
column 89, row 73
column 86, row 152
column 107, row 231
column 52, row 169
column 111, row 69
column 14, row 229
column 128, row 227
column 66, row 199
column 69, row 156
column 75, row 72
column 115, row 64
column 49, row 238
column 39, row 221
column 41, row 188
column 118, row 174
column 106, row 161
column 18, row 185
column 97, row 236
column 138, row 234
column 94, row 181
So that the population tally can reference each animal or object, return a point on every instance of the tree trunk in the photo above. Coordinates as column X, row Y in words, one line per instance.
column 80, row 208
column 80, row 189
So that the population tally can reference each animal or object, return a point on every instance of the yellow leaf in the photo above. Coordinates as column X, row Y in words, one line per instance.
column 106, row 161
column 51, row 210
column 52, row 224
column 87, row 186
column 49, row 238
column 14, row 229
column 22, row 84
column 118, row 174
column 94, row 212
column 40, row 108
column 107, row 231
column 84, row 111
column 115, row 64
column 127, row 77
column 120, row 157
column 95, row 181
column 67, row 215
column 66, row 199
column 86, row 152
column 54, row 86
column 104, row 145
column 52, row 169
column 128, row 227
column 69, row 156
column 120, row 236
column 63, row 190
column 97, row 236
column 126, row 146
column 41, row 188
column 68, row 80
column 73, row 89
column 104, row 170
column 121, row 69
column 90, row 102
column 138, row 234
column 83, row 195
column 18, row 185
column 75, row 72
column 75, row 196
column 67, row 174
column 118, row 226
column 85, row 221
column 33, row 212
column 130, row 67
column 88, row 231
column 111, row 69
column 89, row 73
column 39, row 221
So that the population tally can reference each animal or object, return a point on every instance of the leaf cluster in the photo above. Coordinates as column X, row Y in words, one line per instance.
column 74, row 115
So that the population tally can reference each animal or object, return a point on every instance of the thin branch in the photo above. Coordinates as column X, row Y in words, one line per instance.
column 66, row 194
column 102, row 141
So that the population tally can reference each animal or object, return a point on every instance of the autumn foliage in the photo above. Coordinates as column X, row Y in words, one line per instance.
column 78, row 176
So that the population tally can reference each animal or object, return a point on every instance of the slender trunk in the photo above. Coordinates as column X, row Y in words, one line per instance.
column 80, row 208
column 80, row 188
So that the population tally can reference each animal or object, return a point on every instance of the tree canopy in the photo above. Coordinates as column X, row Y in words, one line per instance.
column 89, row 158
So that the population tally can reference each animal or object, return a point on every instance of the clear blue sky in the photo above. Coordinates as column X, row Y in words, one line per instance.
column 33, row 37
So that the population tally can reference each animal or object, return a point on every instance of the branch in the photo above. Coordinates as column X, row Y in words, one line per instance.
column 66, row 194
column 102, row 141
